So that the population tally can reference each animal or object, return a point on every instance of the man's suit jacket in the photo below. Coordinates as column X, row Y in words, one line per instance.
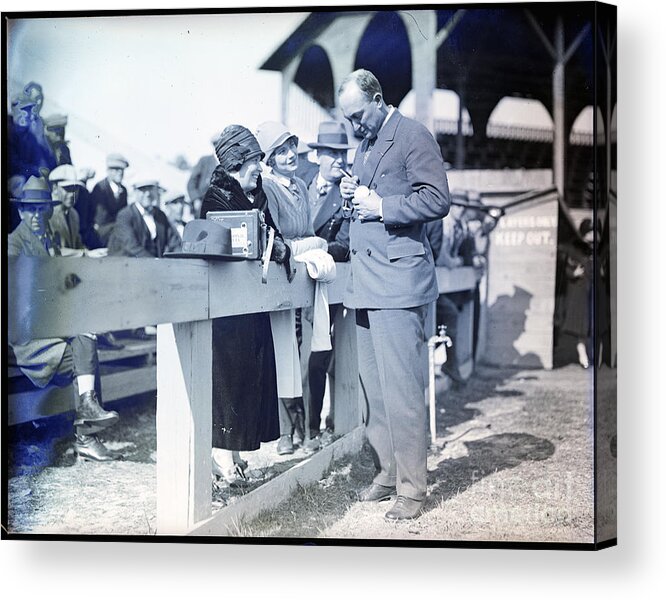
column 38, row 359
column 391, row 261
column 199, row 179
column 106, row 207
column 69, row 235
column 131, row 236
column 329, row 223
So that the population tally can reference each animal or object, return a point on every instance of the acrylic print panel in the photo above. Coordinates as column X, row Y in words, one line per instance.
column 521, row 403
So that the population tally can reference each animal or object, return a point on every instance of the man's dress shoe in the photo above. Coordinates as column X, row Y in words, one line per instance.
column 90, row 416
column 404, row 509
column 376, row 493
column 285, row 445
column 108, row 340
column 89, row 447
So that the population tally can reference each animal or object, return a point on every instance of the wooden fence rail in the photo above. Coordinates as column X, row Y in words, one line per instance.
column 68, row 296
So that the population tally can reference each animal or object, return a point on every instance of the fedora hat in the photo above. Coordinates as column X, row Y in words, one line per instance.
column 36, row 191
column 205, row 239
column 331, row 135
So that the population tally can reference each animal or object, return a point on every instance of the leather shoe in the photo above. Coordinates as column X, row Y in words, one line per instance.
column 88, row 447
column 376, row 493
column 108, row 340
column 91, row 416
column 285, row 445
column 404, row 509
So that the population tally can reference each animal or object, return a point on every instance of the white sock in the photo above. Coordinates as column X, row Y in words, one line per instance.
column 86, row 383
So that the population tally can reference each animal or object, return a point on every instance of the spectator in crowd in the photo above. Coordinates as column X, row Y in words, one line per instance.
column 65, row 220
column 86, row 210
column 27, row 149
column 399, row 184
column 109, row 196
column 329, row 223
column 289, row 206
column 142, row 229
column 578, row 298
column 54, row 360
column 306, row 168
column 454, row 228
column 245, row 398
column 54, row 129
column 174, row 208
column 200, row 179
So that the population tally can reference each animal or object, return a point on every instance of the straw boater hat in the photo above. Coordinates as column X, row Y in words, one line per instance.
column 331, row 135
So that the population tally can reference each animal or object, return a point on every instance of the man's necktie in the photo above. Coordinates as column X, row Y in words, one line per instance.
column 324, row 188
column 368, row 150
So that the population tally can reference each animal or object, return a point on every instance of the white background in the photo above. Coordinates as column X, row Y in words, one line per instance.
column 634, row 569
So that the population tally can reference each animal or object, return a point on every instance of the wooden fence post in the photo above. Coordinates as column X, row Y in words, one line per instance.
column 184, row 392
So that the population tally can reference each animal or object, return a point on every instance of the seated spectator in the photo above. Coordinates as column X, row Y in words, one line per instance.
column 54, row 128
column 199, row 179
column 65, row 221
column 142, row 229
column 55, row 360
column 174, row 208
column 25, row 154
column 109, row 196
column 86, row 210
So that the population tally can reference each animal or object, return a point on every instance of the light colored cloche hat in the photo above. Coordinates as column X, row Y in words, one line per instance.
column 271, row 135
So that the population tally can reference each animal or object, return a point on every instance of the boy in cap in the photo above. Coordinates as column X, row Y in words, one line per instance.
column 57, row 360
column 142, row 229
column 65, row 220
column 109, row 196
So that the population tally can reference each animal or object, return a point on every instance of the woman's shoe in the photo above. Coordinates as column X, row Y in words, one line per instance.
column 582, row 355
column 234, row 477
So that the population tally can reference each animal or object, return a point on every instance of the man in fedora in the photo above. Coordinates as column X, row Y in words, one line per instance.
column 398, row 185
column 56, row 360
column 329, row 223
column 142, row 229
column 109, row 196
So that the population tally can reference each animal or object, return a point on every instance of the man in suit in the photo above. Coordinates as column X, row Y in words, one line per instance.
column 109, row 196
column 54, row 360
column 330, row 224
column 65, row 220
column 142, row 229
column 199, row 179
column 399, row 184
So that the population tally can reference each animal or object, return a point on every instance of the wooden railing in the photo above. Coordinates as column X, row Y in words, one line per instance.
column 64, row 297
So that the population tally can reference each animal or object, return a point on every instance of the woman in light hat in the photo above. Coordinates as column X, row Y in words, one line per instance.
column 244, row 382
column 289, row 204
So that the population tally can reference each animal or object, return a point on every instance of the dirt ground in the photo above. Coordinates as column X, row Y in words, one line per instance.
column 514, row 462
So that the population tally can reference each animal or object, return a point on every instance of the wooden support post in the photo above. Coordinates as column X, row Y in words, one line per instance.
column 347, row 414
column 559, row 137
column 184, row 392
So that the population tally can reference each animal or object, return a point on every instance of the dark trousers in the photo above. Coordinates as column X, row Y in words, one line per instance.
column 390, row 352
column 79, row 358
column 318, row 367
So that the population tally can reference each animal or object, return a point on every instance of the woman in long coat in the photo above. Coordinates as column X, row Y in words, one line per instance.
column 245, row 401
